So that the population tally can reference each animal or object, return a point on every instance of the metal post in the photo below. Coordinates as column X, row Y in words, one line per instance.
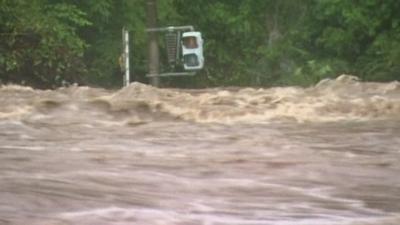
column 153, row 53
column 170, row 28
column 125, row 38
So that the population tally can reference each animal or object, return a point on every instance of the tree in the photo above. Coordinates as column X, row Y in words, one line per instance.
column 254, row 42
column 39, row 42
column 355, row 37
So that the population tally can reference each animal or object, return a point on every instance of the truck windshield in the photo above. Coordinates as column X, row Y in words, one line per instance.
column 190, row 42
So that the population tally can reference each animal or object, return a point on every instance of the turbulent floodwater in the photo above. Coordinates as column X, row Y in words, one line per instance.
column 328, row 154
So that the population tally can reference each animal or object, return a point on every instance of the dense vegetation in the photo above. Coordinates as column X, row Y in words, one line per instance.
column 255, row 42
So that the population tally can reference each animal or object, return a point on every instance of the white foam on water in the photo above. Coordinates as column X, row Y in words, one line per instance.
column 118, row 215
column 345, row 98
column 341, row 99
column 16, row 113
column 24, row 147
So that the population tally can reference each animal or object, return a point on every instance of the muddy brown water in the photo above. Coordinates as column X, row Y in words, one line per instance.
column 328, row 154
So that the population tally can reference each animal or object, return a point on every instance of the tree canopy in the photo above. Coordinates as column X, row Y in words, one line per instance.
column 247, row 43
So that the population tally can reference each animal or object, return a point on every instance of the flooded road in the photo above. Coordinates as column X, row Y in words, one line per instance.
column 327, row 154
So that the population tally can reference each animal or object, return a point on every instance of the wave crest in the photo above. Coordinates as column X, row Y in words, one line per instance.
column 343, row 98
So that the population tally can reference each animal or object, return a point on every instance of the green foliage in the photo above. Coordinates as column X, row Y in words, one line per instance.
column 364, row 34
column 39, row 42
column 254, row 42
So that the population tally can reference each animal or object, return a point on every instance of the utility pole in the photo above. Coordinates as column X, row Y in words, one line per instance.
column 153, row 54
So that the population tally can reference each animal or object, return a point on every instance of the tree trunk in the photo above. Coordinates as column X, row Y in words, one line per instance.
column 153, row 53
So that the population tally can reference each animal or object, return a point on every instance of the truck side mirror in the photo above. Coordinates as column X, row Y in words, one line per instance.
column 192, row 50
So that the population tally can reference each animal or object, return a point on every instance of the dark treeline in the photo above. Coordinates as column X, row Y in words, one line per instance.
column 255, row 42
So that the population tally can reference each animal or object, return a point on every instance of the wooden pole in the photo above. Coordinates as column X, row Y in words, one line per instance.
column 153, row 54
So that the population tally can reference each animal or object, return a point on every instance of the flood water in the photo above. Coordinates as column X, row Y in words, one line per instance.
column 328, row 154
